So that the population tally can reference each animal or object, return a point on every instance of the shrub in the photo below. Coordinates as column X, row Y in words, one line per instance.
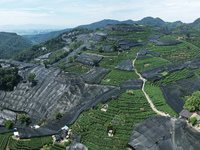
column 23, row 118
column 100, row 49
column 70, row 59
column 131, row 92
column 67, row 143
column 95, row 62
column 58, row 115
column 8, row 124
column 31, row 77
column 193, row 120
column 84, row 48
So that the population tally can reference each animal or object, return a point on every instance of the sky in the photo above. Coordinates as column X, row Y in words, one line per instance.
column 71, row 13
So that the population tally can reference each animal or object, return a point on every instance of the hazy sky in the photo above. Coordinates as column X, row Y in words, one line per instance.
column 71, row 13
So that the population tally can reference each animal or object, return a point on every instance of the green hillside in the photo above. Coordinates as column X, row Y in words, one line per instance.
column 11, row 43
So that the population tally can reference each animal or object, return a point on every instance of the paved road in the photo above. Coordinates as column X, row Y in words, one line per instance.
column 147, row 97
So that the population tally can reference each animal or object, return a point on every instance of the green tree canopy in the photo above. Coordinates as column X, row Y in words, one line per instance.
column 100, row 49
column 193, row 120
column 193, row 102
column 95, row 62
column 58, row 115
column 70, row 58
column 8, row 124
column 23, row 118
column 84, row 48
column 8, row 78
column 31, row 77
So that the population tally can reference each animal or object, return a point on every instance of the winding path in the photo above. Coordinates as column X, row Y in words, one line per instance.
column 147, row 97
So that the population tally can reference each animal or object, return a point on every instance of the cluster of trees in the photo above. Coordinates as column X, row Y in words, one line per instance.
column 24, row 119
column 9, row 124
column 36, row 51
column 193, row 102
column 8, row 78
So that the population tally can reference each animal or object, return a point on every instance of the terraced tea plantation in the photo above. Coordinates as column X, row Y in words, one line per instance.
column 4, row 140
column 172, row 71
column 122, row 112
column 33, row 143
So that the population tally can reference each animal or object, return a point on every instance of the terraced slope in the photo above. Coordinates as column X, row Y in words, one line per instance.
column 99, row 70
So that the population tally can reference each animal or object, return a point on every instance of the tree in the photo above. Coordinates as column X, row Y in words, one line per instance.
column 102, row 38
column 130, row 92
column 92, row 45
column 193, row 102
column 45, row 62
column 8, row 124
column 70, row 59
column 100, row 49
column 23, row 118
column 193, row 120
column 97, row 29
column 95, row 62
column 110, row 126
column 115, row 47
column 84, row 48
column 31, row 77
column 58, row 115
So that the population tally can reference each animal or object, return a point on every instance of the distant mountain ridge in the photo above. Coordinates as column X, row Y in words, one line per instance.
column 149, row 21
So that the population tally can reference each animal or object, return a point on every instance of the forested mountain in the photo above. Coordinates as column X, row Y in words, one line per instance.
column 11, row 43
